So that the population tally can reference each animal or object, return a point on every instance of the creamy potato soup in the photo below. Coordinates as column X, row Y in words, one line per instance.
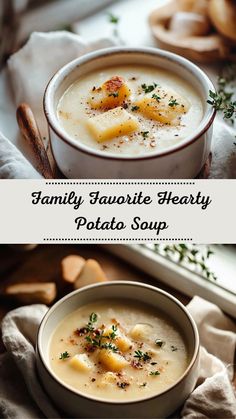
column 130, row 110
column 118, row 350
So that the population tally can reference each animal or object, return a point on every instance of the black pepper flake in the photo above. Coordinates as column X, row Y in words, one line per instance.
column 123, row 385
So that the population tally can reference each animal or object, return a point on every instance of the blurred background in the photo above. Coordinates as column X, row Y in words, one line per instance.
column 203, row 29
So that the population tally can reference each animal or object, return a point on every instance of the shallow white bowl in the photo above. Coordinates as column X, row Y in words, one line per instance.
column 76, row 160
column 78, row 404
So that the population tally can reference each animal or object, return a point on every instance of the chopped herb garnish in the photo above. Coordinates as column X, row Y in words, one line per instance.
column 135, row 108
column 174, row 348
column 142, row 356
column 64, row 355
column 92, row 319
column 115, row 94
column 113, row 19
column 96, row 336
column 158, row 98
column 159, row 342
column 172, row 103
column 148, row 88
column 110, row 346
column 144, row 134
column 154, row 373
column 143, row 385
column 113, row 334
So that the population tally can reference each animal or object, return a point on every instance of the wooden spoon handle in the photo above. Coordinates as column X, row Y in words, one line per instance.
column 30, row 131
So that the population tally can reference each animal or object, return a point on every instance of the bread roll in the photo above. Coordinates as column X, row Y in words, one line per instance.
column 196, row 6
column 223, row 16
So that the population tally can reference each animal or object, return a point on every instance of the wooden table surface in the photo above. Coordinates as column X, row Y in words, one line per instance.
column 43, row 264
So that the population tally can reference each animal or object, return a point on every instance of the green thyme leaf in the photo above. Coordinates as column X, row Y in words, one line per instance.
column 134, row 108
column 142, row 356
column 172, row 103
column 148, row 88
column 144, row 134
column 154, row 373
column 155, row 96
column 64, row 355
column 115, row 94
column 113, row 19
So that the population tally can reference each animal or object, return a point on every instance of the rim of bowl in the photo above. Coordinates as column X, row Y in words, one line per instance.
column 60, row 75
column 110, row 284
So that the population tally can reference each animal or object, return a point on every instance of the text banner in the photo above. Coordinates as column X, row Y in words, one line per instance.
column 131, row 211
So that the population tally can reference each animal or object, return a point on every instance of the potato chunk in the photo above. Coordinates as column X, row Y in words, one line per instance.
column 123, row 343
column 92, row 273
column 163, row 105
column 112, row 361
column 141, row 331
column 111, row 94
column 111, row 124
column 81, row 362
column 108, row 379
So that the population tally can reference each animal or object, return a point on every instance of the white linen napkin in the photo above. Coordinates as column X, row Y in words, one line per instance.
column 13, row 163
column 21, row 395
column 29, row 71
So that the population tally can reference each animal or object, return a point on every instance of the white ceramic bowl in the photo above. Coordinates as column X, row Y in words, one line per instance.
column 76, row 160
column 78, row 404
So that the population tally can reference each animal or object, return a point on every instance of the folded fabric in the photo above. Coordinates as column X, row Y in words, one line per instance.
column 29, row 71
column 21, row 395
column 13, row 164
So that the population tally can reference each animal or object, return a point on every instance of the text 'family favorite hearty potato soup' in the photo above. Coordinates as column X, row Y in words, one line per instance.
column 130, row 110
column 117, row 350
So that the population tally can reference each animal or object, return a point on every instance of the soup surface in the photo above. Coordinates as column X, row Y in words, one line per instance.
column 130, row 110
column 118, row 350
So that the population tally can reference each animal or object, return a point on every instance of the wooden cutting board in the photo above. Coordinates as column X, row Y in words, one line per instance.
column 204, row 49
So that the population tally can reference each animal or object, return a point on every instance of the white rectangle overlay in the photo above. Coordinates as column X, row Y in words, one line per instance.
column 118, row 211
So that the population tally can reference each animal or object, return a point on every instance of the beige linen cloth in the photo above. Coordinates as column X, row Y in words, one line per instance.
column 29, row 71
column 22, row 397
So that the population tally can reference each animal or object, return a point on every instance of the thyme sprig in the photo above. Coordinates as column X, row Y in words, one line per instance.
column 95, row 337
column 222, row 100
column 190, row 255
column 92, row 319
column 142, row 356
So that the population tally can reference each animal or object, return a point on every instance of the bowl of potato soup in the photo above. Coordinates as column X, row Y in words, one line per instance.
column 129, row 113
column 118, row 349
